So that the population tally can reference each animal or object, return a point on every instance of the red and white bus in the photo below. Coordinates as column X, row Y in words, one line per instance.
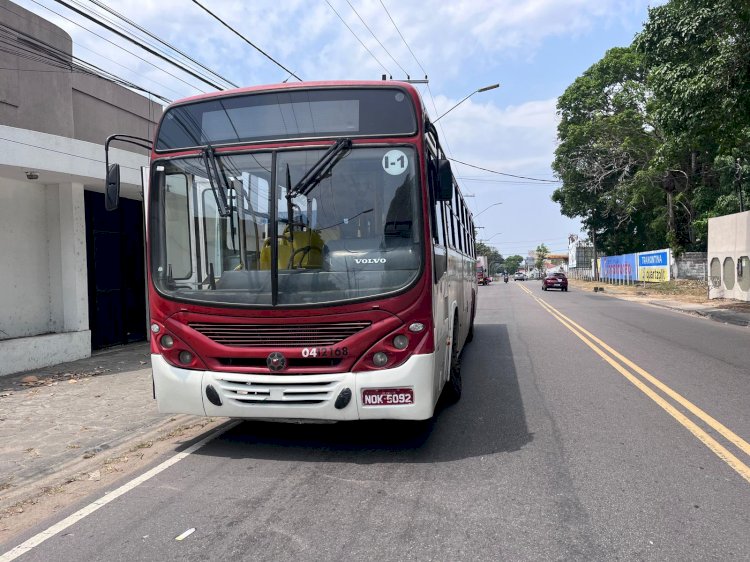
column 309, row 255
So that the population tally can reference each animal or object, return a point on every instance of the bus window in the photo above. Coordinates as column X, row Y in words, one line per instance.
column 176, row 214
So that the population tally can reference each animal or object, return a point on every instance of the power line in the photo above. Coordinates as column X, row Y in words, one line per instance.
column 357, row 38
column 165, row 43
column 78, row 45
column 130, row 34
column 62, row 152
column 118, row 46
column 503, row 173
column 31, row 48
column 404, row 40
column 376, row 38
column 246, row 40
column 512, row 182
column 141, row 44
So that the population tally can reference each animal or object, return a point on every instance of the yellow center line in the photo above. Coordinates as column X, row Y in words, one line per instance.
column 720, row 451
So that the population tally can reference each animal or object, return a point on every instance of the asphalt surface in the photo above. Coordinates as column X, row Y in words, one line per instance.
column 552, row 454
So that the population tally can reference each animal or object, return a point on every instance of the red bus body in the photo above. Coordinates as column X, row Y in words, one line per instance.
column 272, row 379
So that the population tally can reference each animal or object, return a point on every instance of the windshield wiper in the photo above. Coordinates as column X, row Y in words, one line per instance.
column 322, row 167
column 217, row 180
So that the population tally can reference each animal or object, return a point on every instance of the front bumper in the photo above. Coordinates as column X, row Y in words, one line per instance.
column 311, row 397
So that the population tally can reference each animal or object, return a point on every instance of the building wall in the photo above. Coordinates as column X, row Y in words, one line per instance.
column 24, row 276
column 31, row 96
column 728, row 245
column 54, row 122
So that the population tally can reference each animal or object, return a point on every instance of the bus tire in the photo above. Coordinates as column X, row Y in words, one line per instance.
column 454, row 385
column 470, row 335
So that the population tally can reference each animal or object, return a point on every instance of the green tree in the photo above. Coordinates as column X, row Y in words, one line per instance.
column 698, row 58
column 541, row 254
column 512, row 263
column 605, row 143
column 493, row 256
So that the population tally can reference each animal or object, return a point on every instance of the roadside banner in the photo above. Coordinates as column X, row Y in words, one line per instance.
column 619, row 268
column 654, row 266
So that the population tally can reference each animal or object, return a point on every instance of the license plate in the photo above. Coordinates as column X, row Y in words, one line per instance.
column 387, row 396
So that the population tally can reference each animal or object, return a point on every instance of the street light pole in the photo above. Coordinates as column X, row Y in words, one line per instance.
column 486, row 88
column 491, row 237
column 483, row 210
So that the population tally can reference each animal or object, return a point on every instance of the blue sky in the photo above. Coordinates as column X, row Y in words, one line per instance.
column 533, row 48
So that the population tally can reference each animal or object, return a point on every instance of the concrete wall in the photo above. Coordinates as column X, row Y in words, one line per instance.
column 728, row 246
column 690, row 265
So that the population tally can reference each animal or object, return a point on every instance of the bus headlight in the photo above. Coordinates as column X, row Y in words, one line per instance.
column 400, row 342
column 379, row 359
column 185, row 357
column 167, row 341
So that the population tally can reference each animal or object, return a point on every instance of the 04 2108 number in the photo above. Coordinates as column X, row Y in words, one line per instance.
column 325, row 352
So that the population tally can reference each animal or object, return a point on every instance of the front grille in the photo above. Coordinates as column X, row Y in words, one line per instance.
column 279, row 335
column 258, row 391
column 290, row 362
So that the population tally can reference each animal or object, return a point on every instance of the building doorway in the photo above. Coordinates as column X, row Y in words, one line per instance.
column 116, row 273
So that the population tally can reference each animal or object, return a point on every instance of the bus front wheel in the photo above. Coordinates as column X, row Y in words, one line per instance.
column 454, row 385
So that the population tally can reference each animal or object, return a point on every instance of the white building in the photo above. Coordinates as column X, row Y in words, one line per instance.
column 729, row 256
column 69, row 274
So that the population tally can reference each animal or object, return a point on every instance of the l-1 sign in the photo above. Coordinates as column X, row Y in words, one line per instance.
column 654, row 266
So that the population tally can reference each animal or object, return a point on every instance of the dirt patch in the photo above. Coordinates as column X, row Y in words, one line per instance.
column 685, row 291
column 677, row 290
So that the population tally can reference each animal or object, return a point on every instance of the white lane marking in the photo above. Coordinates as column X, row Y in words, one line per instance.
column 38, row 539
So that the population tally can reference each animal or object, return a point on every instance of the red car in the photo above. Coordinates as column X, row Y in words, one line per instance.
column 555, row 281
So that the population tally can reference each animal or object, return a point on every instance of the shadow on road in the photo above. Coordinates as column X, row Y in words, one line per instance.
column 489, row 419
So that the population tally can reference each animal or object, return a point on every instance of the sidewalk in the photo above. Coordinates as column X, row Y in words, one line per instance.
column 59, row 421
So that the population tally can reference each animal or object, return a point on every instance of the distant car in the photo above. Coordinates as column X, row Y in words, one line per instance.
column 555, row 281
column 519, row 276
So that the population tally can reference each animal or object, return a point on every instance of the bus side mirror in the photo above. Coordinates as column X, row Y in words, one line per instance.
column 445, row 181
column 112, row 189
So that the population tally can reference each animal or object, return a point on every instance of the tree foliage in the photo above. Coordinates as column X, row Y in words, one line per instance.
column 655, row 138
column 541, row 254
column 512, row 263
column 493, row 256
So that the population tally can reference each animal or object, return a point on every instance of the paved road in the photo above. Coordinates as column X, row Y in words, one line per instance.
column 559, row 450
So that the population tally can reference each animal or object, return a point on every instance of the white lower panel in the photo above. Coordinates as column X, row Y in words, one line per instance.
column 301, row 397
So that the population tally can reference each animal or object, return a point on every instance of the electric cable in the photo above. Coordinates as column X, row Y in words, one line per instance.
column 118, row 46
column 503, row 173
column 404, row 40
column 165, row 43
column 141, row 44
column 357, row 38
column 376, row 38
column 246, row 40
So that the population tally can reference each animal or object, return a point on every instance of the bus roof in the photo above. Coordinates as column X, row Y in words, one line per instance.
column 308, row 85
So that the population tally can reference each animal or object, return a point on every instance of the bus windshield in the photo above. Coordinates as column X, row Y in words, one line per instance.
column 353, row 233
